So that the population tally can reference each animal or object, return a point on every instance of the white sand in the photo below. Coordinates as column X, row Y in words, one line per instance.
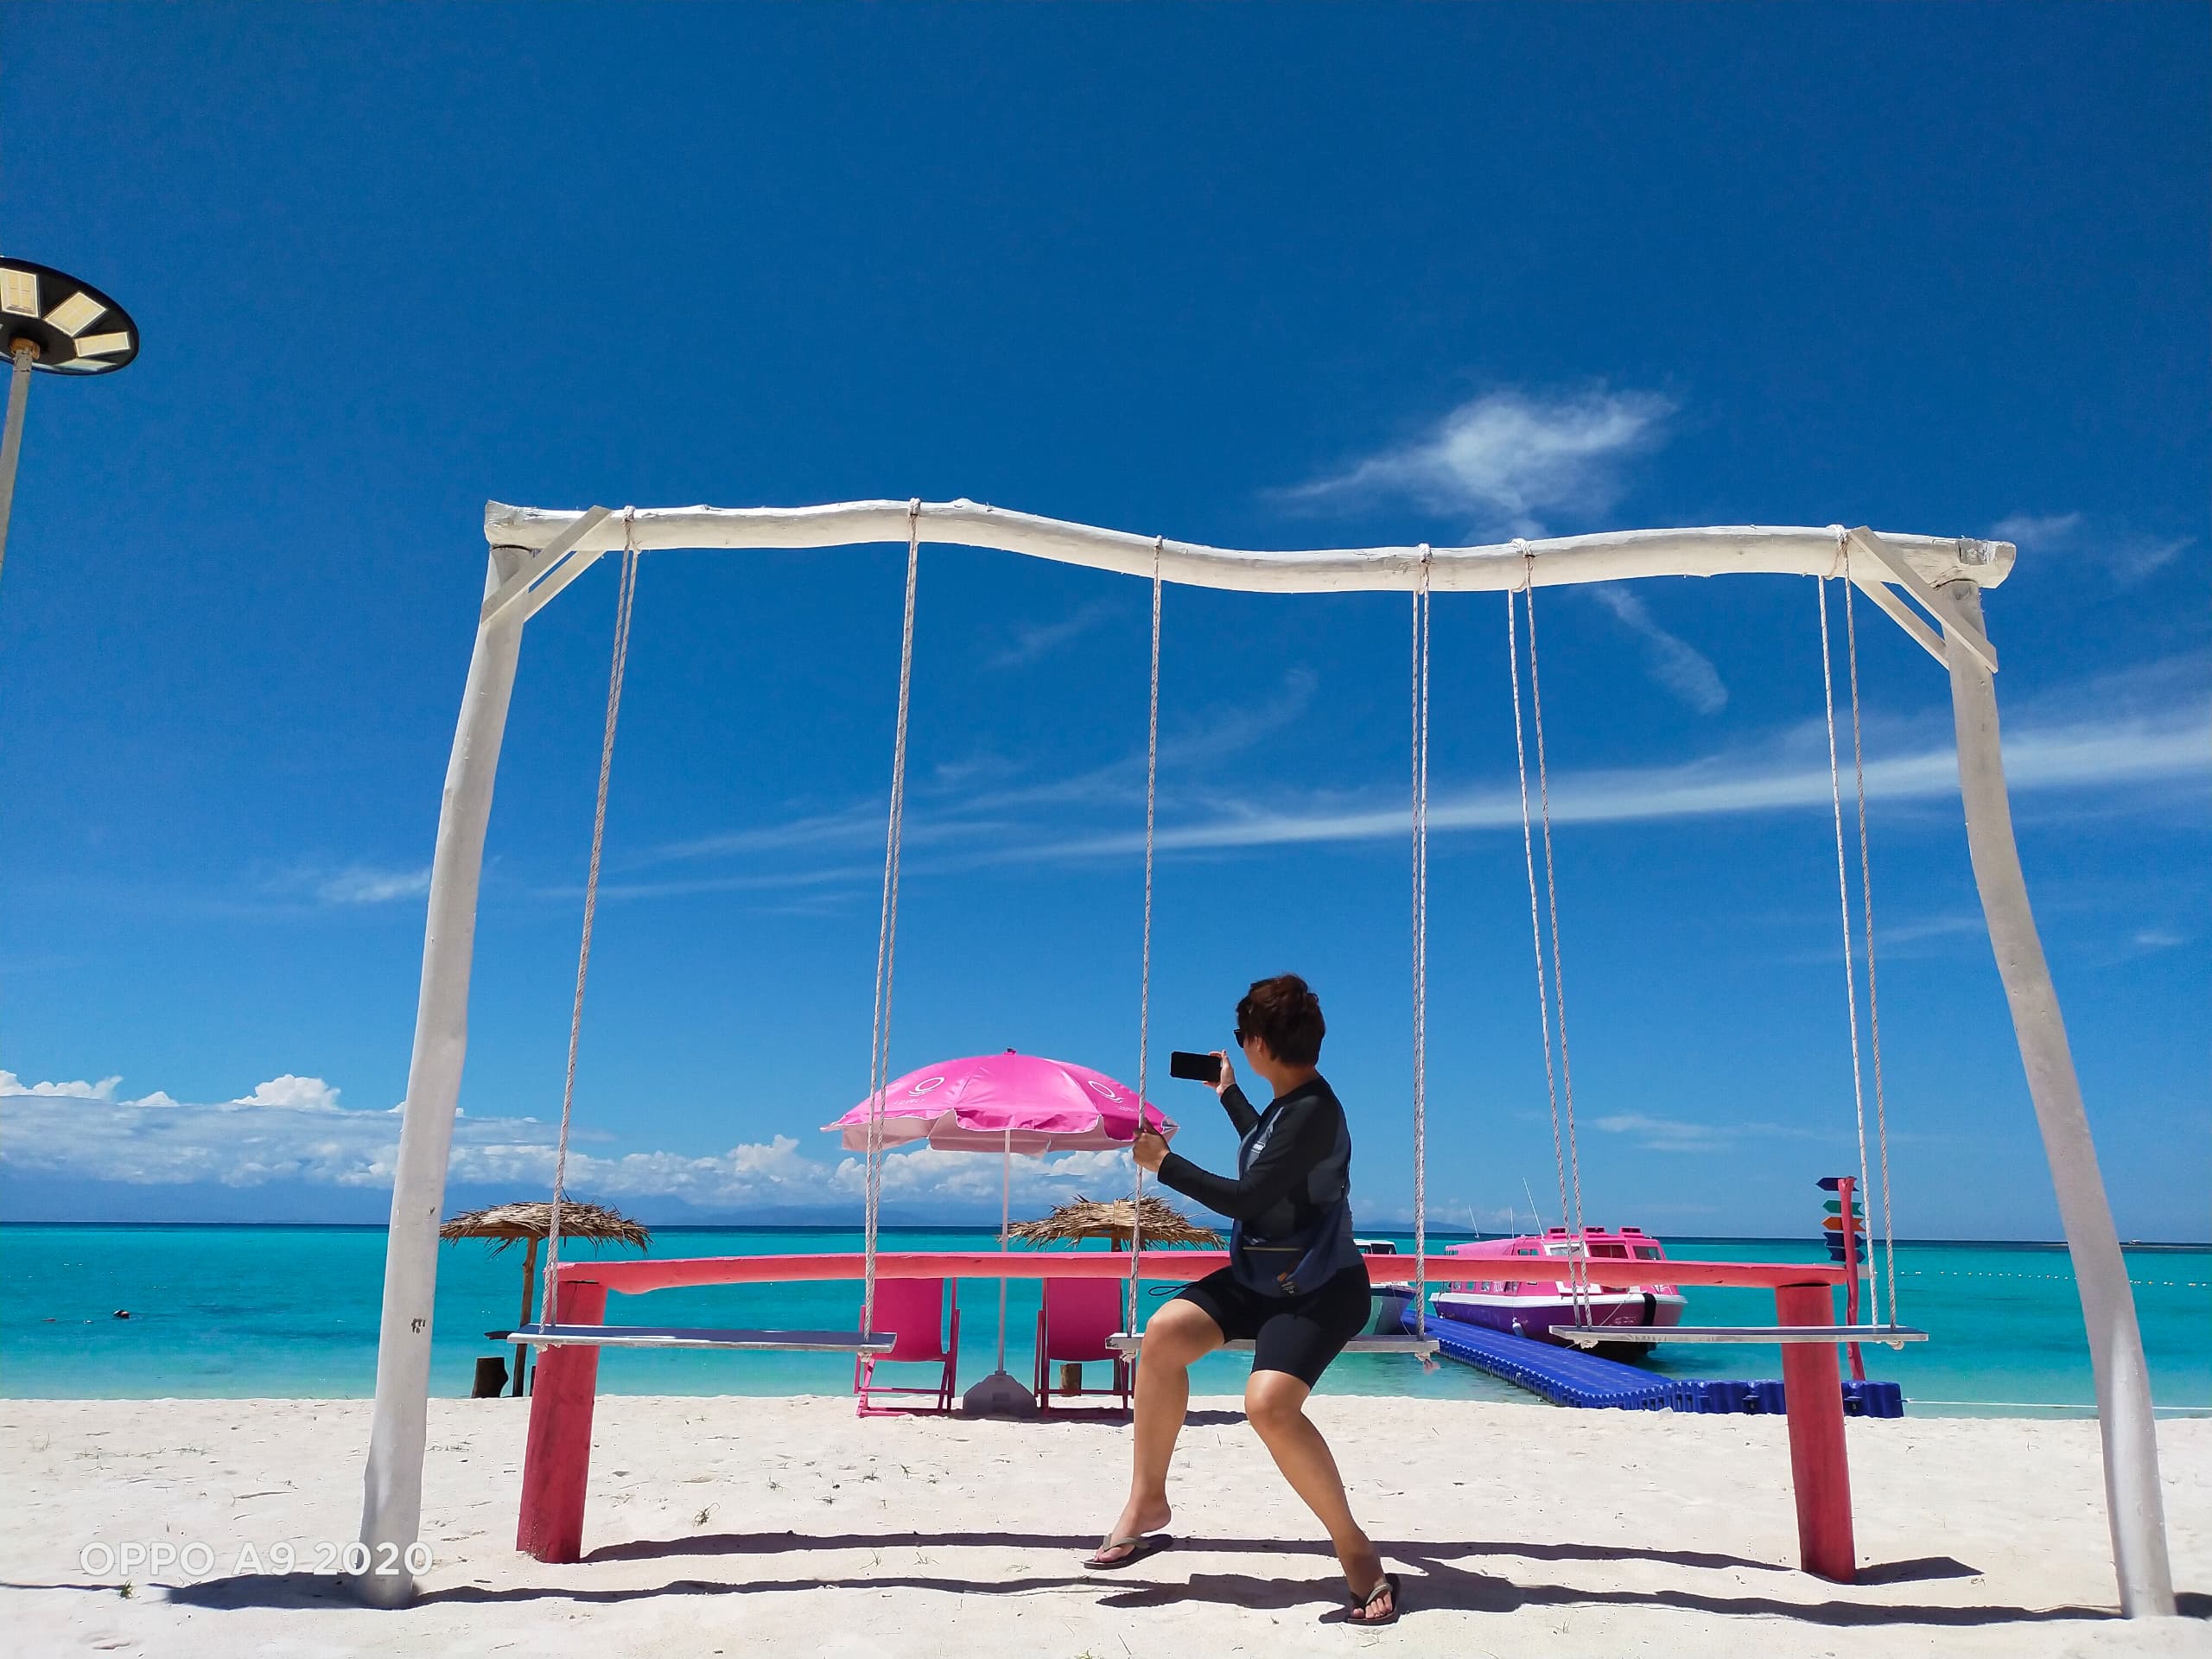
column 717, row 1526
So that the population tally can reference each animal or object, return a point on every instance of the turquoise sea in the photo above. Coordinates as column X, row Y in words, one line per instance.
column 291, row 1311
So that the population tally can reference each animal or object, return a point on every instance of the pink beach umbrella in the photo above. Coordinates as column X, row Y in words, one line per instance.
column 1005, row 1104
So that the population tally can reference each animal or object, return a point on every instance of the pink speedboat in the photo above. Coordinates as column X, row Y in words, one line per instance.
column 1526, row 1288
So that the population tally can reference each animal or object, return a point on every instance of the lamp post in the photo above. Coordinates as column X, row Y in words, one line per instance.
column 50, row 321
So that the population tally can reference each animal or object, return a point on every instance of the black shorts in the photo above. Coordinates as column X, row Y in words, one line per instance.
column 1297, row 1334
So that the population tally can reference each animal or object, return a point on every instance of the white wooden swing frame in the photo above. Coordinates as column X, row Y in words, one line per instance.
column 536, row 554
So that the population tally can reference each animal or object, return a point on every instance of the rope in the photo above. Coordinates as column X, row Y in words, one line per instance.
column 1843, row 899
column 886, row 938
column 1421, row 653
column 1579, row 1266
column 626, row 595
column 1144, row 992
column 1867, row 896
column 1536, row 922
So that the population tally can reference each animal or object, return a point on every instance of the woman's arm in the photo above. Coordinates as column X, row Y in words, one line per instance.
column 1306, row 1134
column 1240, row 1109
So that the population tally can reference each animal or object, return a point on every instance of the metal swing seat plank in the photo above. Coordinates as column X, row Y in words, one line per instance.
column 1590, row 1336
column 1425, row 1347
column 673, row 1336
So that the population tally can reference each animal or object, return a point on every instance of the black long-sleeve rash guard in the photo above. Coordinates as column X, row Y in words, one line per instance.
column 1271, row 1198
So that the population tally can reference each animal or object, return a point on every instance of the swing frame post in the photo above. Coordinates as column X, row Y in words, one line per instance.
column 391, row 1499
column 557, row 1461
column 2133, row 1504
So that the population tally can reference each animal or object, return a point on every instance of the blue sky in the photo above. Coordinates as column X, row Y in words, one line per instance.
column 1256, row 277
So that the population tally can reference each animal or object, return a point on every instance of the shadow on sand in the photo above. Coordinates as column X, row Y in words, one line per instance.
column 1438, row 1581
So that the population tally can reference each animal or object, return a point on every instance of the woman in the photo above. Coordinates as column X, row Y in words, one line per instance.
column 1296, row 1288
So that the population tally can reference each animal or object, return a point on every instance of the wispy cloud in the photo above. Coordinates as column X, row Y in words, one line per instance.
column 1678, row 1135
column 1034, row 641
column 2162, row 746
column 1912, row 939
column 2129, row 742
column 2131, row 555
column 1895, row 935
column 2033, row 530
column 845, row 827
column 974, row 804
column 1508, row 458
column 743, row 882
column 1681, row 667
column 362, row 884
column 1930, row 936
column 295, row 1128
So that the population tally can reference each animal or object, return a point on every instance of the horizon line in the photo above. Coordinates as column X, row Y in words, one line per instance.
column 986, row 1226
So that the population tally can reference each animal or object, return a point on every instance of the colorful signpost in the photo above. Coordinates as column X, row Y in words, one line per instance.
column 1844, row 1228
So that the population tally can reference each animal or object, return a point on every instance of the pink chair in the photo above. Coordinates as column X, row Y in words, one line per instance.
column 1078, row 1317
column 910, row 1311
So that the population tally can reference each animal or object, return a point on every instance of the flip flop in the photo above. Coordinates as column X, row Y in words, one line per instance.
column 1150, row 1543
column 1389, row 1587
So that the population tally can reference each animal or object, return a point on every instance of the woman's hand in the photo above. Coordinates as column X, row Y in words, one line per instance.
column 1149, row 1149
column 1227, row 1080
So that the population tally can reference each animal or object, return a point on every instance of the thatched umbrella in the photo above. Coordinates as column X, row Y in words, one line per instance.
column 1085, row 1218
column 532, row 1220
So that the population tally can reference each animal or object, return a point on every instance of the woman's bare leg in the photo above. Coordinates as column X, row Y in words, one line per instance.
column 1179, row 1333
column 1274, row 1402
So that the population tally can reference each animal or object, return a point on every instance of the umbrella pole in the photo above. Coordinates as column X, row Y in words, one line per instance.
column 1006, row 1213
column 529, row 1283
column 999, row 1393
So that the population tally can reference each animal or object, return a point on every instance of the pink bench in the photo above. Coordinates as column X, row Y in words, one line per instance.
column 556, row 1467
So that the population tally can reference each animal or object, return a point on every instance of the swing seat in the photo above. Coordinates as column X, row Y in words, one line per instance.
column 1122, row 1342
column 1590, row 1336
column 670, row 1336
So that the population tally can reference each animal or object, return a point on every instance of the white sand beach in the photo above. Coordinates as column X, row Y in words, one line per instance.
column 788, row 1526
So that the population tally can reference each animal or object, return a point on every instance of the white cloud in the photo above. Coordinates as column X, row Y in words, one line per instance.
column 303, row 1094
column 293, row 1129
column 1508, row 458
column 1034, row 641
column 1676, row 664
column 2130, row 554
column 360, row 884
column 103, row 1090
column 2160, row 938
column 289, row 1128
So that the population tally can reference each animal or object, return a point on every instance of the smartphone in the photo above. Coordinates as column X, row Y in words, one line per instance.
column 1199, row 1068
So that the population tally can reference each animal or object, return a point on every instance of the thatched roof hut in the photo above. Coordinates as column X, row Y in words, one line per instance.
column 531, row 1221
column 1085, row 1218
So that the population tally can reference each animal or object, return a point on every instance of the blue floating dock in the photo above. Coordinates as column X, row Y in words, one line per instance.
column 1568, row 1376
column 1565, row 1377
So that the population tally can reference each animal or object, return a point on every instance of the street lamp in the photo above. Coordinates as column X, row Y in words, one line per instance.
column 50, row 321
